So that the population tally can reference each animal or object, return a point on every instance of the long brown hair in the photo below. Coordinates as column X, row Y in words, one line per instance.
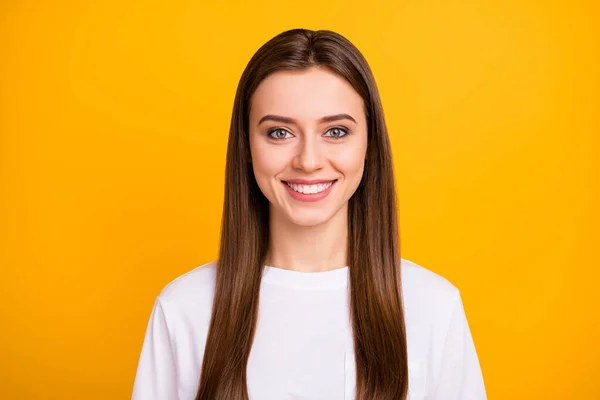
column 376, row 305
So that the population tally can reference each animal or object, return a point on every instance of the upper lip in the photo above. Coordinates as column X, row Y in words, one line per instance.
column 308, row 182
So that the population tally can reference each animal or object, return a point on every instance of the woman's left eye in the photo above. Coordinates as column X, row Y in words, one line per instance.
column 338, row 132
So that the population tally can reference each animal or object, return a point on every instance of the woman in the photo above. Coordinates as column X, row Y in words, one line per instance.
column 310, row 298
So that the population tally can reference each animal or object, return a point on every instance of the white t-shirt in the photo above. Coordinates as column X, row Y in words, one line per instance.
column 303, row 346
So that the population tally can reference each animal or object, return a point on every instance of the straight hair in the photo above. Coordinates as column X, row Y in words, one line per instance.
column 375, row 290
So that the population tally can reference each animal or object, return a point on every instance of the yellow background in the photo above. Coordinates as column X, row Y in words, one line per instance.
column 114, row 118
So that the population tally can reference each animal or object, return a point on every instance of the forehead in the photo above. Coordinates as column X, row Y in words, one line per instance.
column 306, row 94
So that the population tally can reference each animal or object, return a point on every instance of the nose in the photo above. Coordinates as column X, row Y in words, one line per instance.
column 309, row 156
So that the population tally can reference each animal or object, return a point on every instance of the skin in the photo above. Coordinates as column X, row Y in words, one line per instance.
column 307, row 236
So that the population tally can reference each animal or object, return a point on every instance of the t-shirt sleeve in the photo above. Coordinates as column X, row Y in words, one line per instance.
column 156, row 374
column 460, row 376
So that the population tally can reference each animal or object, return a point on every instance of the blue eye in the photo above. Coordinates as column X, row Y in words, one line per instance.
column 340, row 132
column 280, row 134
column 277, row 130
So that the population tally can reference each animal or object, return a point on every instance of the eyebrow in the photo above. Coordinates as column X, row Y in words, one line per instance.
column 287, row 120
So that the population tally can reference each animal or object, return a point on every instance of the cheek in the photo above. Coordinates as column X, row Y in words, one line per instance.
column 267, row 163
column 350, row 161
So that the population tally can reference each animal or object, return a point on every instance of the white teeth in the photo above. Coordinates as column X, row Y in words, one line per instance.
column 309, row 189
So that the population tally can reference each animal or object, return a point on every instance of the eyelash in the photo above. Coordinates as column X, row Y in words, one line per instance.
column 345, row 130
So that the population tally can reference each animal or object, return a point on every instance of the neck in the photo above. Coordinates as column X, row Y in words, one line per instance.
column 316, row 248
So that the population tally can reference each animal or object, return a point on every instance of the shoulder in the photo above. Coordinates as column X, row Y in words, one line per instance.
column 438, row 335
column 426, row 292
column 418, row 278
column 196, row 283
column 185, row 307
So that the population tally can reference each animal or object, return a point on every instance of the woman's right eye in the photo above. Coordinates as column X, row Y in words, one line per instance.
column 279, row 133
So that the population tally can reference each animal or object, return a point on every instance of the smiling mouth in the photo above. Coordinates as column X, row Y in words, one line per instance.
column 333, row 180
column 310, row 189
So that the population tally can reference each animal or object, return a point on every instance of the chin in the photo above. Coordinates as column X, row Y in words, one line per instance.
column 309, row 219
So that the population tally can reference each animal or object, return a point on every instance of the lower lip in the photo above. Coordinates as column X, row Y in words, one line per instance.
column 310, row 196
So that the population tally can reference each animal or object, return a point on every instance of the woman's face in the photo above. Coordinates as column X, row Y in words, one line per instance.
column 307, row 125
